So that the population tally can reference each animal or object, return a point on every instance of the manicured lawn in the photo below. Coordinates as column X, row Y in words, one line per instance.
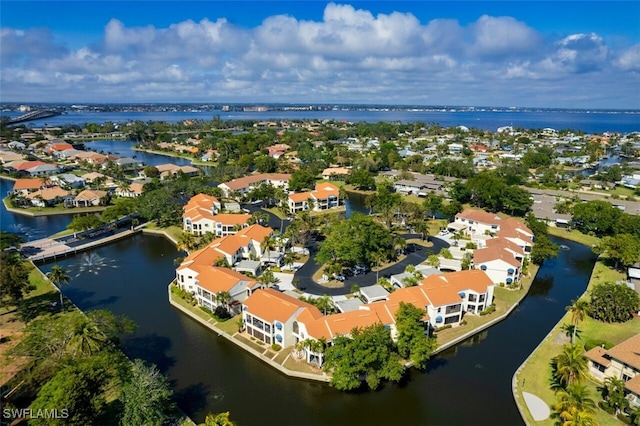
column 574, row 235
column 280, row 357
column 250, row 343
column 536, row 373
column 301, row 366
column 229, row 326
column 275, row 211
column 173, row 230
column 199, row 312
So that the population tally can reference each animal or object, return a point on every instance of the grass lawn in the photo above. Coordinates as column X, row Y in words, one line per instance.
column 275, row 211
column 199, row 312
column 62, row 233
column 229, row 326
column 435, row 225
column 173, row 230
column 250, row 343
column 574, row 235
column 280, row 357
column 536, row 373
column 301, row 366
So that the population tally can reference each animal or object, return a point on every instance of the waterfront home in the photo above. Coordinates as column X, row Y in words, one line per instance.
column 501, row 260
column 471, row 221
column 214, row 280
column 223, row 224
column 47, row 197
column 135, row 189
column 93, row 158
column 68, row 180
column 88, row 198
column 57, row 146
column 278, row 150
column 325, row 196
column 27, row 185
column 42, row 170
column 231, row 249
column 622, row 362
column 518, row 233
column 270, row 316
column 245, row 184
column 169, row 170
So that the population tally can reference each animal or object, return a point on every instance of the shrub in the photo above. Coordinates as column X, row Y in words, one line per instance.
column 592, row 343
column 489, row 310
column 222, row 313
column 444, row 327
column 207, row 310
column 624, row 418
column 276, row 347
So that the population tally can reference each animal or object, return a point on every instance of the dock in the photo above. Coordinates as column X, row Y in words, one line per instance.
column 47, row 249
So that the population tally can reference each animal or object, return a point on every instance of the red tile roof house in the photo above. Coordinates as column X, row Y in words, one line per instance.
column 25, row 186
column 446, row 298
column 213, row 280
column 47, row 197
column 245, row 184
column 278, row 150
column 89, row 197
column 199, row 212
column 501, row 260
column 622, row 362
column 325, row 196
column 233, row 248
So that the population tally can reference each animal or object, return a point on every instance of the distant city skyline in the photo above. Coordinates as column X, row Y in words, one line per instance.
column 574, row 54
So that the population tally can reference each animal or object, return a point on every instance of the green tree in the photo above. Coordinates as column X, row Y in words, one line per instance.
column 186, row 242
column 543, row 249
column 220, row 419
column 570, row 366
column 267, row 279
column 412, row 341
column 266, row 164
column 385, row 202
column 146, row 396
column 597, row 217
column 611, row 302
column 361, row 179
column 324, row 303
column 368, row 353
column 14, row 278
column 433, row 204
column 223, row 298
column 7, row 239
column 574, row 405
column 579, row 310
column 83, row 223
column 621, row 248
column 59, row 276
column 613, row 392
column 302, row 179
column 151, row 172
column 76, row 388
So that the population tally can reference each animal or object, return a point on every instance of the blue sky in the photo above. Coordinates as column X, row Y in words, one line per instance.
column 576, row 54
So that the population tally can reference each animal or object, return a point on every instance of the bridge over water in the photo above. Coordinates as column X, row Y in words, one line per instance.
column 34, row 115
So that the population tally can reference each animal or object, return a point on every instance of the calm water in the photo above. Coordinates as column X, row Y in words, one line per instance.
column 125, row 149
column 587, row 121
column 466, row 385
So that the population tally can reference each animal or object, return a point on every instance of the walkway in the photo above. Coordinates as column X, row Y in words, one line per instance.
column 537, row 407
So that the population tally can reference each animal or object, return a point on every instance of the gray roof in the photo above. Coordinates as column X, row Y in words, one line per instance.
column 374, row 292
column 349, row 305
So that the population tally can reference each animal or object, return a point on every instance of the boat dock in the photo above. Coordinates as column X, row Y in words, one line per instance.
column 47, row 249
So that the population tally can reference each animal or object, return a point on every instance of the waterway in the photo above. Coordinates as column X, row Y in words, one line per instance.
column 488, row 119
column 467, row 384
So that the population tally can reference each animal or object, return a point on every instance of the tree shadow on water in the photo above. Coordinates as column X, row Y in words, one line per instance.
column 151, row 348
column 194, row 398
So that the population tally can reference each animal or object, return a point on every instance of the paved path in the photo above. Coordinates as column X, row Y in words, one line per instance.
column 537, row 407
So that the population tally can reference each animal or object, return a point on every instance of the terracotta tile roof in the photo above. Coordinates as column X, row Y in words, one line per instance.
column 494, row 253
column 325, row 190
column 49, row 193
column 597, row 354
column 341, row 324
column 216, row 279
column 60, row 146
column 206, row 256
column 26, row 165
column 271, row 305
column 335, row 171
column 506, row 244
column 246, row 181
column 416, row 295
column 513, row 228
column 627, row 352
column 633, row 385
column 443, row 289
column 89, row 177
column 232, row 219
column 200, row 206
column 229, row 244
column 255, row 232
column 480, row 216
column 90, row 194
column 27, row 184
column 299, row 197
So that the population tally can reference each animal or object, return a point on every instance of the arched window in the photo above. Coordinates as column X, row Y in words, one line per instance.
column 296, row 328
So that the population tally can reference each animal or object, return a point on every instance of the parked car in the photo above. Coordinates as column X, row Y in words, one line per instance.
column 340, row 277
column 444, row 232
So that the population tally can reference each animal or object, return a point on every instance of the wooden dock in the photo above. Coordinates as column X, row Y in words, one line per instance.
column 47, row 249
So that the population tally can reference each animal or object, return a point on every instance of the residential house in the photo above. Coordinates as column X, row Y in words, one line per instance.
column 68, row 180
column 622, row 362
column 245, row 184
column 501, row 260
column 168, row 170
column 47, row 197
column 325, row 196
column 472, row 221
column 270, row 316
column 89, row 197
column 213, row 280
column 298, row 201
column 518, row 233
column 135, row 189
column 335, row 173
column 278, row 150
column 43, row 170
column 25, row 186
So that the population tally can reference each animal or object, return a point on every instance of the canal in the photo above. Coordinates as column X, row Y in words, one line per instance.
column 469, row 384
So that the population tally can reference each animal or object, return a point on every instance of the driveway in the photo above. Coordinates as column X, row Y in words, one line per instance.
column 308, row 285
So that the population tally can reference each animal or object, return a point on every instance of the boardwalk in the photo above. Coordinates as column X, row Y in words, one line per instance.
column 48, row 248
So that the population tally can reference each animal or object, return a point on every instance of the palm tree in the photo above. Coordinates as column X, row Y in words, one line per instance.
column 579, row 309
column 289, row 258
column 433, row 260
column 574, row 403
column 570, row 366
column 634, row 415
column 324, row 303
column 224, row 298
column 613, row 392
column 399, row 243
column 87, row 338
column 58, row 276
column 186, row 242
column 268, row 243
column 267, row 278
column 571, row 331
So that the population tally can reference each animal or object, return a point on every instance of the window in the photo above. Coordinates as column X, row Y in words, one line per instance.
column 451, row 320
column 296, row 327
column 598, row 367
column 481, row 298
column 626, row 378
column 453, row 308
column 472, row 298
